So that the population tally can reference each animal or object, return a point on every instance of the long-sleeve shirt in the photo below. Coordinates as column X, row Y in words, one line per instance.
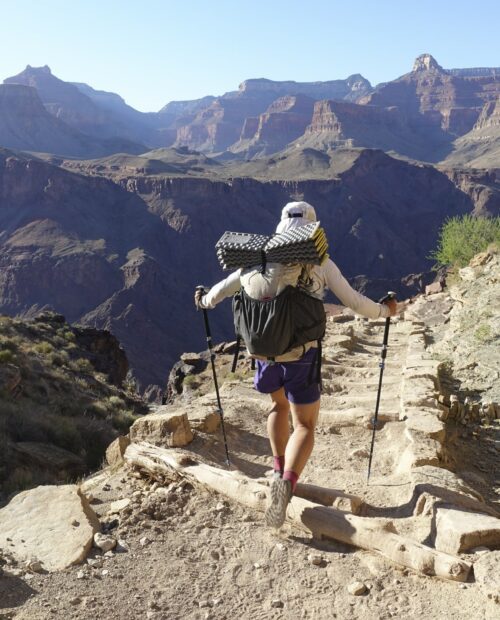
column 326, row 276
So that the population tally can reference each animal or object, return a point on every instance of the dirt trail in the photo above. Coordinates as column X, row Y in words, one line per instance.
column 198, row 556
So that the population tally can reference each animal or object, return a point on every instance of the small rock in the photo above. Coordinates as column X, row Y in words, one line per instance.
column 360, row 453
column 80, row 574
column 315, row 558
column 35, row 566
column 203, row 604
column 109, row 554
column 95, row 562
column 119, row 505
column 357, row 588
column 122, row 546
column 104, row 572
column 75, row 600
column 277, row 603
column 220, row 507
column 280, row 547
column 144, row 541
column 106, row 543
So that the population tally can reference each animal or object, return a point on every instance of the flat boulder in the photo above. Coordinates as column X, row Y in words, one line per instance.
column 165, row 427
column 52, row 524
column 458, row 531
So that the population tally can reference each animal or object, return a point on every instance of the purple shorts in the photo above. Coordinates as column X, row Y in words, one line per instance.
column 297, row 378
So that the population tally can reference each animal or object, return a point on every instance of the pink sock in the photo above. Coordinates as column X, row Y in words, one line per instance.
column 292, row 476
column 279, row 463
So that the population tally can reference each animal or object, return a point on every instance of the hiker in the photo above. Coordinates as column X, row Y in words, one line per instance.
column 290, row 379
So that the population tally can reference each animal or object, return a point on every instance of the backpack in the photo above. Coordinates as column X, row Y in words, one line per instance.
column 273, row 312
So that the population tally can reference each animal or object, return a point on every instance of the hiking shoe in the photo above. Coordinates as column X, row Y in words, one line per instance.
column 281, row 493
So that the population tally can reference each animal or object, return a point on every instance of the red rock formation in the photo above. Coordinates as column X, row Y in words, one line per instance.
column 284, row 121
column 451, row 101
column 490, row 115
column 336, row 123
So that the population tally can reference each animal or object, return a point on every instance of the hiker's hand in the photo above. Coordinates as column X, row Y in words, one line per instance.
column 392, row 304
column 198, row 296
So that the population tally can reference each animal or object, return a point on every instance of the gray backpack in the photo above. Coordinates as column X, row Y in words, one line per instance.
column 274, row 313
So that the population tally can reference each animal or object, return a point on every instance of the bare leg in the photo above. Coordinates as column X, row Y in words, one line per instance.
column 301, row 442
column 278, row 428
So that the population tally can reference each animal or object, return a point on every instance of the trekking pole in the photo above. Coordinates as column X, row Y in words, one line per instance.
column 212, row 360
column 390, row 295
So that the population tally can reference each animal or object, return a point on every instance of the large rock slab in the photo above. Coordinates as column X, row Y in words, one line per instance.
column 458, row 531
column 52, row 524
column 487, row 574
column 163, row 428
column 449, row 488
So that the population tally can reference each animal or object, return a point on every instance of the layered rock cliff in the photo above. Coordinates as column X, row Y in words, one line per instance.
column 453, row 102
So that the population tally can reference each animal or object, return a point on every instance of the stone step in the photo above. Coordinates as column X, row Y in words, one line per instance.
column 353, row 383
column 346, row 401
column 354, row 417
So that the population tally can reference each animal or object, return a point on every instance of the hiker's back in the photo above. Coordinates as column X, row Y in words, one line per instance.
column 268, row 284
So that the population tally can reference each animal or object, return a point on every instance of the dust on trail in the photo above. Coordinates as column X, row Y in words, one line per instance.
column 199, row 556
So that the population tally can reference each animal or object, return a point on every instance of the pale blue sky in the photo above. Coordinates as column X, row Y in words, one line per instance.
column 155, row 51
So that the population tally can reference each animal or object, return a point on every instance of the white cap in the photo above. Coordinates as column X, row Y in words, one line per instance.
column 295, row 214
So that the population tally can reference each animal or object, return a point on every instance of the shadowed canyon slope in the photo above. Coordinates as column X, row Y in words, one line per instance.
column 126, row 255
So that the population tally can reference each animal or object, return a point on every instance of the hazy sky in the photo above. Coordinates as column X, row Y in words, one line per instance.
column 155, row 51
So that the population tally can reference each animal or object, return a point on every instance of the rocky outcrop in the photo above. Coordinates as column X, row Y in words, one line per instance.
column 337, row 124
column 490, row 115
column 224, row 122
column 450, row 101
column 26, row 125
column 284, row 121
column 470, row 342
column 482, row 186
column 349, row 89
column 72, row 105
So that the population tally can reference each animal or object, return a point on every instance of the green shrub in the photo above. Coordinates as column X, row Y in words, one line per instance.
column 123, row 420
column 44, row 348
column 8, row 344
column 83, row 365
column 116, row 402
column 6, row 356
column 59, row 358
column 463, row 237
